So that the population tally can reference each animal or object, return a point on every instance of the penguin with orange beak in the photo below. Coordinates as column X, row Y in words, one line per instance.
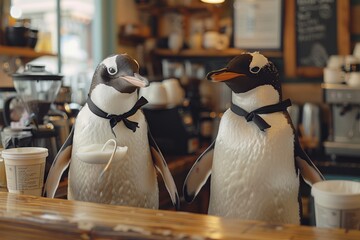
column 256, row 160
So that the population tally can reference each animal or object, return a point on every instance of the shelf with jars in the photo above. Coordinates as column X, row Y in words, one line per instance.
column 185, row 11
column 159, row 19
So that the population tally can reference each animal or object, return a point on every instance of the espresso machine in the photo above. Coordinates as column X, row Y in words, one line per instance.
column 37, row 90
column 344, row 137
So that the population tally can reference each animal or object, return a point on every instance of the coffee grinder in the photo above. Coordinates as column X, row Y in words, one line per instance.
column 37, row 89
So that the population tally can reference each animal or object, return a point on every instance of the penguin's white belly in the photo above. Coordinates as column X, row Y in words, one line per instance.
column 253, row 173
column 129, row 181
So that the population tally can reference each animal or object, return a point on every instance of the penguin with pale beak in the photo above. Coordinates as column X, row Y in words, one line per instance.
column 112, row 111
column 256, row 160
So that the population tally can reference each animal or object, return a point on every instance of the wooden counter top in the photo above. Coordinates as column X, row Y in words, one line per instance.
column 30, row 217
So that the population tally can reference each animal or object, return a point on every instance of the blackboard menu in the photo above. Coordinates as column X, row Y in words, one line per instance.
column 316, row 32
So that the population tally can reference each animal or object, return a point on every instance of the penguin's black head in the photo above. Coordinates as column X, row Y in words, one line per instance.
column 120, row 72
column 247, row 71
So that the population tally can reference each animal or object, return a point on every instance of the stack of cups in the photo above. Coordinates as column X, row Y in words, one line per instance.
column 337, row 204
column 333, row 72
column 352, row 69
column 25, row 169
column 164, row 94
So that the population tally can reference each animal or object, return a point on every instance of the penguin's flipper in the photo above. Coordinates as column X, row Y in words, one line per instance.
column 59, row 165
column 161, row 166
column 198, row 174
column 308, row 170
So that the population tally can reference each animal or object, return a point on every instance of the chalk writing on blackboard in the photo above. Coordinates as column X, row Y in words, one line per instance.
column 316, row 32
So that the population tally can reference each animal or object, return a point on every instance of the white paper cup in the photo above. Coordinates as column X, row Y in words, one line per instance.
column 211, row 39
column 174, row 92
column 354, row 79
column 356, row 51
column 333, row 75
column 336, row 61
column 156, row 94
column 25, row 169
column 337, row 204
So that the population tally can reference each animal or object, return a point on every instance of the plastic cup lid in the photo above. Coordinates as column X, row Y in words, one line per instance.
column 25, row 152
column 337, row 187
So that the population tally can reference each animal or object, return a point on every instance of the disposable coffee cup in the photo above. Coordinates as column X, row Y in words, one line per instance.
column 25, row 169
column 337, row 204
column 333, row 75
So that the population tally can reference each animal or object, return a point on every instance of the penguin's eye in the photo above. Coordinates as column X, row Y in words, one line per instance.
column 112, row 71
column 254, row 69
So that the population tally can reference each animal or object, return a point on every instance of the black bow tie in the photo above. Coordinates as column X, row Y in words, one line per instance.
column 254, row 115
column 114, row 119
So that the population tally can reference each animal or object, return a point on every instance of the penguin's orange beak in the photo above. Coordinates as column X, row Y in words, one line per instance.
column 222, row 75
column 137, row 80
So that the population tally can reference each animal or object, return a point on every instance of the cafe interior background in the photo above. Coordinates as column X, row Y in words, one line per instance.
column 183, row 40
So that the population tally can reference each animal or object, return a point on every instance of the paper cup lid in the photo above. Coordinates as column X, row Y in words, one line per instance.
column 338, row 194
column 25, row 152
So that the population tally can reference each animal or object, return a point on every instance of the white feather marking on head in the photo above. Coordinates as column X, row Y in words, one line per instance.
column 110, row 62
column 258, row 60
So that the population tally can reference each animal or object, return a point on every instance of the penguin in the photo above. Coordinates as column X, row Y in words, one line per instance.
column 112, row 111
column 256, row 160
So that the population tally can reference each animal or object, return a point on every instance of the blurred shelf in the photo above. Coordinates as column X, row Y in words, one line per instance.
column 138, row 36
column 339, row 86
column 342, row 148
column 191, row 53
column 23, row 52
column 184, row 9
column 26, row 54
column 132, row 39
